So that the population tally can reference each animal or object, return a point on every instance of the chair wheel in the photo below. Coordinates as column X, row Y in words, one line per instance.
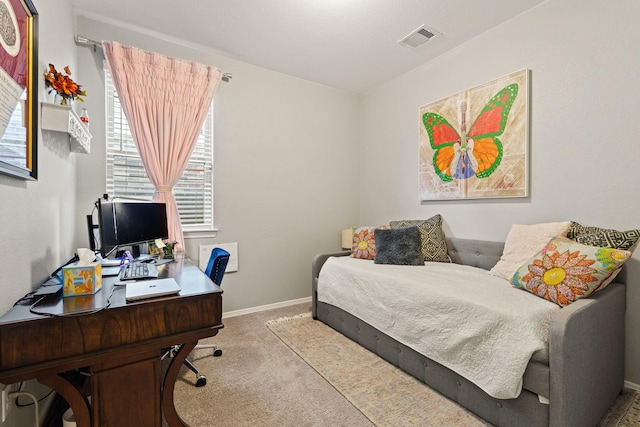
column 201, row 381
column 217, row 352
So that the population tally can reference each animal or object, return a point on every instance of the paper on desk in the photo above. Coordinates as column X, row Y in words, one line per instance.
column 86, row 256
column 160, row 244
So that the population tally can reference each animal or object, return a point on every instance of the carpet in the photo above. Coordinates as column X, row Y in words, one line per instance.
column 383, row 393
column 625, row 411
column 258, row 381
column 386, row 395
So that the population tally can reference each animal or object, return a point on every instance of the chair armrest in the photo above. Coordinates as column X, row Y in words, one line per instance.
column 586, row 357
column 316, row 265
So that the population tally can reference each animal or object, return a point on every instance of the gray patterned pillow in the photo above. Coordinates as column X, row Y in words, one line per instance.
column 400, row 246
column 434, row 247
column 603, row 237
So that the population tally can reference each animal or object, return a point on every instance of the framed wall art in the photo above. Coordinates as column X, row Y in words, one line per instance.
column 18, row 88
column 475, row 144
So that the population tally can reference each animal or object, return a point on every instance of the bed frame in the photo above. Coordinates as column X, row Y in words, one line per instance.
column 584, row 376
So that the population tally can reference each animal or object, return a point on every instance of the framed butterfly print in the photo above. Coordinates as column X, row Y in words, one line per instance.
column 475, row 144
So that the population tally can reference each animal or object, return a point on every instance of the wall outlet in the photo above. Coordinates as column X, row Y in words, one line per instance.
column 7, row 403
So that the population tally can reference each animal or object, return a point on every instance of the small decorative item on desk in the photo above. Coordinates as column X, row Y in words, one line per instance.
column 168, row 250
column 156, row 248
column 66, row 90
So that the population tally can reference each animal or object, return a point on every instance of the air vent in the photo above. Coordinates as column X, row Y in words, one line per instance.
column 418, row 37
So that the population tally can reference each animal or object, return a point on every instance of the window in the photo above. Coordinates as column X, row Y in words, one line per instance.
column 127, row 178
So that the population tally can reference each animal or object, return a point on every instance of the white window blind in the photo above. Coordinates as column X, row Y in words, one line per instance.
column 127, row 178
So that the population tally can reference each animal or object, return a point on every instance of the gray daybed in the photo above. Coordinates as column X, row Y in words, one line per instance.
column 584, row 375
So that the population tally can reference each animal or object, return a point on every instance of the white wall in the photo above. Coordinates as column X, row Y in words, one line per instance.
column 37, row 218
column 285, row 181
column 583, row 57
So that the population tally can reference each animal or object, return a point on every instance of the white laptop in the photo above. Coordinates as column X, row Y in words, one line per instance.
column 151, row 288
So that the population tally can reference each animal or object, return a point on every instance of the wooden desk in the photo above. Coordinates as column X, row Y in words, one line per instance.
column 118, row 346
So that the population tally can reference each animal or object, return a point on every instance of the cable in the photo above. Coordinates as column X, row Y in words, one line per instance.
column 32, row 308
column 17, row 394
column 53, row 278
column 24, row 405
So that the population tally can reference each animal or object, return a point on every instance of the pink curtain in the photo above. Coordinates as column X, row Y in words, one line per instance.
column 165, row 100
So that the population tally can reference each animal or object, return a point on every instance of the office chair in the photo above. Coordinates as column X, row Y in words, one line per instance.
column 216, row 267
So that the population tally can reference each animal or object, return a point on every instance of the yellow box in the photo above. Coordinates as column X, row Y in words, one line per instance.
column 82, row 279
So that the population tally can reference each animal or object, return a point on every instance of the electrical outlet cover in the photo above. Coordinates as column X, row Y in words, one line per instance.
column 6, row 402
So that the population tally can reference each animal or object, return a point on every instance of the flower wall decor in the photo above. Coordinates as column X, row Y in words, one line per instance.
column 63, row 86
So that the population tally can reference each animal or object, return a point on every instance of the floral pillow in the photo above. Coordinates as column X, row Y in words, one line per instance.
column 565, row 271
column 364, row 243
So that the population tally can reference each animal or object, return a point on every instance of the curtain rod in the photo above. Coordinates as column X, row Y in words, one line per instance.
column 82, row 40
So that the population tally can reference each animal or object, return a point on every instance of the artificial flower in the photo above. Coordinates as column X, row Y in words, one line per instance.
column 63, row 85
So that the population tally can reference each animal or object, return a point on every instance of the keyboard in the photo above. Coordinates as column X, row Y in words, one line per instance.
column 138, row 271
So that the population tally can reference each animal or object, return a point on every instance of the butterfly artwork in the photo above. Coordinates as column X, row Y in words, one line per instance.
column 461, row 155
column 484, row 159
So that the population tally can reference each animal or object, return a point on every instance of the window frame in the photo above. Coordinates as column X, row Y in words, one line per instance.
column 117, row 133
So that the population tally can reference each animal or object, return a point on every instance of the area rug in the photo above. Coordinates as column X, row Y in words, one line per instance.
column 625, row 412
column 383, row 393
column 386, row 395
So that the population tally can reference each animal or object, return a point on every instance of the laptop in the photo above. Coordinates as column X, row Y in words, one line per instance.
column 151, row 288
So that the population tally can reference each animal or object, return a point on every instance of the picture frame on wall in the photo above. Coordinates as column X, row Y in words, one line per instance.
column 18, row 89
column 475, row 144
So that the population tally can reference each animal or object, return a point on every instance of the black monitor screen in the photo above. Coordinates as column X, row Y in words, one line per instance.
column 106, row 225
column 140, row 222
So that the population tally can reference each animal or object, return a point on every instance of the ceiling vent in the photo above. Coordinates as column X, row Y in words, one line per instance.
column 418, row 37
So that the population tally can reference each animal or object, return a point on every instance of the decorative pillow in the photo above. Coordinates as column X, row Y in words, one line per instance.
column 364, row 244
column 565, row 271
column 603, row 237
column 399, row 246
column 522, row 242
column 434, row 246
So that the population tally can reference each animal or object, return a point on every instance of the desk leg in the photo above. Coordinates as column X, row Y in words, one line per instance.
column 168, row 407
column 74, row 397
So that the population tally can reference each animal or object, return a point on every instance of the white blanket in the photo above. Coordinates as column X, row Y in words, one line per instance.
column 462, row 317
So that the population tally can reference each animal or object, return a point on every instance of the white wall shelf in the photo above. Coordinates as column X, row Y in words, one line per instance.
column 62, row 118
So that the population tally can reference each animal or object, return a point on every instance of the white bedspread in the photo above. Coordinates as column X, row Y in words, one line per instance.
column 462, row 317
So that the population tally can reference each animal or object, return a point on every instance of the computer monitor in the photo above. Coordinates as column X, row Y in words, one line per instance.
column 140, row 222
column 129, row 223
column 107, row 228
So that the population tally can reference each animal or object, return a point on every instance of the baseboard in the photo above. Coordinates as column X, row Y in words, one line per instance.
column 634, row 386
column 265, row 307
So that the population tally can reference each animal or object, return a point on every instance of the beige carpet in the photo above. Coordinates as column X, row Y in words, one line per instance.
column 625, row 412
column 327, row 380
column 384, row 394
column 258, row 381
